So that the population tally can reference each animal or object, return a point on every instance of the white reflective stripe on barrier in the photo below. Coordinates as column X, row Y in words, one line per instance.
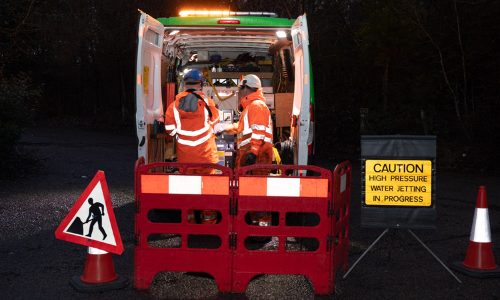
column 286, row 187
column 283, row 187
column 343, row 182
column 480, row 232
column 182, row 184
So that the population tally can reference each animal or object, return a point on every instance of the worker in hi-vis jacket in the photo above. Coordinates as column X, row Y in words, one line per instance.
column 254, row 134
column 191, row 119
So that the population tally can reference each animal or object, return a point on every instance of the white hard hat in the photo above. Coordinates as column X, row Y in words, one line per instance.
column 251, row 81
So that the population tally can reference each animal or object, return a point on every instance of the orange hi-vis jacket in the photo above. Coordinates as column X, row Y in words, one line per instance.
column 188, row 119
column 254, row 130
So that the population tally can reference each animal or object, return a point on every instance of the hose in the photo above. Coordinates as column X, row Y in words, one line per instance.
column 205, row 75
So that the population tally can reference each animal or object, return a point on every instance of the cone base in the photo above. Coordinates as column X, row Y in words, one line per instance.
column 84, row 287
column 459, row 267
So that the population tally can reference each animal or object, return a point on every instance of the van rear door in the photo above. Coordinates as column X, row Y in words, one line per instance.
column 148, row 86
column 302, row 126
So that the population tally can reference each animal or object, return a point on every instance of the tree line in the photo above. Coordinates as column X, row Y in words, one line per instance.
column 380, row 67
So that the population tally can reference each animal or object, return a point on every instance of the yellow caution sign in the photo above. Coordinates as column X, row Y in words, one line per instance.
column 398, row 182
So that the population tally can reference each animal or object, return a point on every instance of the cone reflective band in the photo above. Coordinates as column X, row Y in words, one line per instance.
column 285, row 187
column 183, row 184
column 480, row 232
column 480, row 253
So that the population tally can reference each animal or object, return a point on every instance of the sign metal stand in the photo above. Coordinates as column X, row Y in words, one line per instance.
column 398, row 186
column 414, row 235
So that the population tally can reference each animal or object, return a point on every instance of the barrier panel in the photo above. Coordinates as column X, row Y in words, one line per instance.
column 308, row 232
column 341, row 207
column 284, row 196
column 165, row 241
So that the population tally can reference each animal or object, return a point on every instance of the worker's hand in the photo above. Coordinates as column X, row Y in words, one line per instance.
column 250, row 159
column 220, row 129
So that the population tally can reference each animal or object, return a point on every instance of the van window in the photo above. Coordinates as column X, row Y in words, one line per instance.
column 153, row 37
column 297, row 39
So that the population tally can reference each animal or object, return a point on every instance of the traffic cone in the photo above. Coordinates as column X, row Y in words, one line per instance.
column 99, row 274
column 479, row 261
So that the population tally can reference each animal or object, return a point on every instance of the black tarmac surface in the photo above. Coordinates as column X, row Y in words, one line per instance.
column 36, row 265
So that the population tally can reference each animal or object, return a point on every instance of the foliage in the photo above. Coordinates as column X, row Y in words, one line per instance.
column 417, row 66
column 18, row 100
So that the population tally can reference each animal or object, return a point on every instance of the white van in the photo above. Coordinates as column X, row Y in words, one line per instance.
column 226, row 46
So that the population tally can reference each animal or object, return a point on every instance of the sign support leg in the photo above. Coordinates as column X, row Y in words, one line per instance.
column 435, row 256
column 366, row 251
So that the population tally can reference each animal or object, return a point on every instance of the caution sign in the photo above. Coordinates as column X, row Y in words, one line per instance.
column 91, row 221
column 398, row 182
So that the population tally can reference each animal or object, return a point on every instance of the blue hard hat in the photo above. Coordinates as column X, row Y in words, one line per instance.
column 194, row 74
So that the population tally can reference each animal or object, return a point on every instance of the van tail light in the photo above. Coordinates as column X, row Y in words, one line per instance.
column 228, row 22
column 310, row 149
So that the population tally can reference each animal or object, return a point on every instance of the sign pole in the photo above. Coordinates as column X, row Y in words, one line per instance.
column 366, row 251
column 447, row 269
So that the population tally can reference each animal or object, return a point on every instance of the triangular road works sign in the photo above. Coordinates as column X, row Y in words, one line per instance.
column 91, row 221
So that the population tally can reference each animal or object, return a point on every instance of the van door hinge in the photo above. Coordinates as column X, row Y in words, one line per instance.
column 234, row 207
column 137, row 238
column 233, row 237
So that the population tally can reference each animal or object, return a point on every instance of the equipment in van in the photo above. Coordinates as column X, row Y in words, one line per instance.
column 274, row 49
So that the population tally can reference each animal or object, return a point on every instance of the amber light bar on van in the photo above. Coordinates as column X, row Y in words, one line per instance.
column 225, row 13
column 205, row 13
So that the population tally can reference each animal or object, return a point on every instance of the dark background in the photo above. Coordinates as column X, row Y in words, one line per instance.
column 413, row 67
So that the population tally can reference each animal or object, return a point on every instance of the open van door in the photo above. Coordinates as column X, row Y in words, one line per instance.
column 302, row 126
column 148, row 86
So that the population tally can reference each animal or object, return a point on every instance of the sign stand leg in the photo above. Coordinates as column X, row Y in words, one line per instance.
column 383, row 233
column 435, row 256
column 362, row 255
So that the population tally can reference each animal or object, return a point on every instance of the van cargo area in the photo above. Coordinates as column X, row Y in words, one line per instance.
column 225, row 48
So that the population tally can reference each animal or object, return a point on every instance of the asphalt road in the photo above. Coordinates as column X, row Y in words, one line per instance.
column 36, row 265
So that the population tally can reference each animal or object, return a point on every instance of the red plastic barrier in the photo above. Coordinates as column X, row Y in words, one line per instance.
column 323, row 198
column 341, row 206
column 283, row 194
column 182, row 191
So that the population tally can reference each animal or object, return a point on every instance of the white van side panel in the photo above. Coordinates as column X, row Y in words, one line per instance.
column 302, row 92
column 148, row 87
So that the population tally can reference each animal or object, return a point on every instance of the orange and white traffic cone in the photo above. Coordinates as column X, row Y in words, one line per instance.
column 479, row 261
column 99, row 274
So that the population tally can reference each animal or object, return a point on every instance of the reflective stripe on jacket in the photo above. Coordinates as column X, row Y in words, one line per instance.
column 254, row 130
column 193, row 130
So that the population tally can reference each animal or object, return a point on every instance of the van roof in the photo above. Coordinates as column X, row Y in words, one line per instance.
column 245, row 21
column 206, row 33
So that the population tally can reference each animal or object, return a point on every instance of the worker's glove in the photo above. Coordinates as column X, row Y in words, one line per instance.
column 250, row 159
column 220, row 129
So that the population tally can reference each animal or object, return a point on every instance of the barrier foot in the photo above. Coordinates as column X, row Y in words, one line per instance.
column 366, row 251
column 447, row 269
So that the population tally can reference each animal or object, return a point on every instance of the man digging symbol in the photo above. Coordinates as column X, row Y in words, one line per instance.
column 95, row 213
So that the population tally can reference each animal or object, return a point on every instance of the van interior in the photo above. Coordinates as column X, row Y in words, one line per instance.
column 225, row 52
